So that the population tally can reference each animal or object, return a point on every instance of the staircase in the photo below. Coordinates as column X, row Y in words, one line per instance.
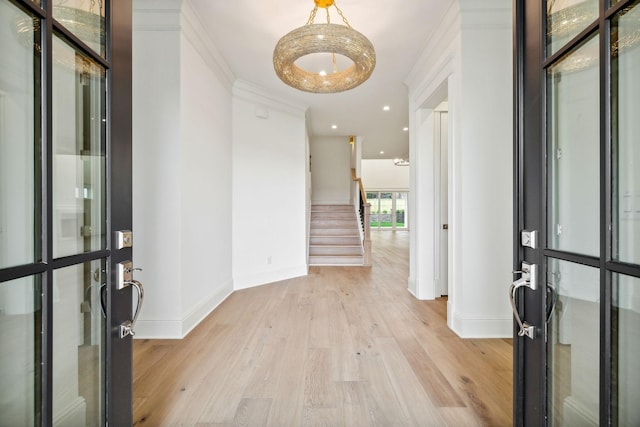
column 335, row 237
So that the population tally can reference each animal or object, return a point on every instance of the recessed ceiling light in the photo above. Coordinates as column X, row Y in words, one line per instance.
column 386, row 108
column 334, row 126
column 405, row 128
column 382, row 152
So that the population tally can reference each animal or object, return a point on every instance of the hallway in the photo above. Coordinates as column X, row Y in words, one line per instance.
column 344, row 346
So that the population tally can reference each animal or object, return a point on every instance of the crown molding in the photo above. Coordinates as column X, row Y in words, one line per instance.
column 195, row 32
column 248, row 91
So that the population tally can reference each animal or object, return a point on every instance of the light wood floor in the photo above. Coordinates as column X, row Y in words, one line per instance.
column 345, row 346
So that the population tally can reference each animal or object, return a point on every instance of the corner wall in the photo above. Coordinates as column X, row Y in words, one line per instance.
column 181, row 169
column 270, row 179
column 470, row 63
column 331, row 170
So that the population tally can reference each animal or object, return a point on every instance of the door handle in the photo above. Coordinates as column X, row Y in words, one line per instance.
column 528, row 280
column 125, row 279
column 126, row 328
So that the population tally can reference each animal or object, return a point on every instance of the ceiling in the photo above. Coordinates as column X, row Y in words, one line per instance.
column 246, row 31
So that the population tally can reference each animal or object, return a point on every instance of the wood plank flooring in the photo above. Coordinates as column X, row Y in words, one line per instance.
column 344, row 346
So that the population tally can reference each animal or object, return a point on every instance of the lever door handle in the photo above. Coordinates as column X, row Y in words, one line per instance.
column 528, row 280
column 126, row 328
column 124, row 278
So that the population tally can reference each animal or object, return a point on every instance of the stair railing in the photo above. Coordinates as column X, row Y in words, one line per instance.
column 364, row 214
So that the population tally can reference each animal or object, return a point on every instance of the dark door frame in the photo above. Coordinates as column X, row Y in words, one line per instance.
column 120, row 207
column 530, row 204
column 118, row 140
column 528, row 209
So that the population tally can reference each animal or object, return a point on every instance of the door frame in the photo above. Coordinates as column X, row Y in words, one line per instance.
column 528, row 44
column 530, row 206
column 118, row 208
column 119, row 405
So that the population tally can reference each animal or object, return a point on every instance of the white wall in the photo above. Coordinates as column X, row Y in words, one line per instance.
column 181, row 169
column 331, row 170
column 383, row 175
column 471, row 60
column 270, row 194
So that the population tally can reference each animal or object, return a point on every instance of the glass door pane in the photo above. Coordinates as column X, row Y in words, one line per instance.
column 625, row 38
column 85, row 19
column 78, row 348
column 626, row 347
column 373, row 199
column 566, row 19
column 78, row 148
column 401, row 210
column 20, row 351
column 19, row 135
column 573, row 153
column 573, row 346
column 386, row 209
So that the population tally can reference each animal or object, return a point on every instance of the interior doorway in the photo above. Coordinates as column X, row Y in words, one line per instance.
column 430, row 195
column 441, row 197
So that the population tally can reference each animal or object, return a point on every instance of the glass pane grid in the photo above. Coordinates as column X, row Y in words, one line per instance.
column 625, row 51
column 79, row 300
column 78, row 152
column 573, row 109
column 20, row 351
column 566, row 19
column 19, row 137
column 625, row 349
column 573, row 343
column 85, row 20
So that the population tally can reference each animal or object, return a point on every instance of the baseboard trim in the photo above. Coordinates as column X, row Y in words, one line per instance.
column 481, row 326
column 178, row 329
column 411, row 286
column 259, row 279
column 158, row 329
column 198, row 313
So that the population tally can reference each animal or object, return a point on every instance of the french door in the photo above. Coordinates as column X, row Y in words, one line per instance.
column 65, row 191
column 388, row 210
column 576, row 292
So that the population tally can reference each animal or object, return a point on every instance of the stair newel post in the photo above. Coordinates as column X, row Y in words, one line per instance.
column 367, row 234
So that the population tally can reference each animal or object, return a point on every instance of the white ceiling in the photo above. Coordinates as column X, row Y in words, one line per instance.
column 246, row 31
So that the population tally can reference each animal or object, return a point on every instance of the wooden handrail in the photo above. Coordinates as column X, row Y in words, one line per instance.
column 365, row 217
column 363, row 194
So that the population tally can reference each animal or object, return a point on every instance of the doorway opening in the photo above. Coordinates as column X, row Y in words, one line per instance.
column 430, row 250
column 389, row 210
column 441, row 198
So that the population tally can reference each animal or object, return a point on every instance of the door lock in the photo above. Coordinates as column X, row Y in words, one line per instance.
column 124, row 239
column 529, row 239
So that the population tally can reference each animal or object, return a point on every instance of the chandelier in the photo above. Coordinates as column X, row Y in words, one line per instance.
column 401, row 162
column 324, row 38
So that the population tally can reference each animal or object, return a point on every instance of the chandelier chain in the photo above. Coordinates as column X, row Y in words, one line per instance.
column 312, row 16
column 344, row 18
